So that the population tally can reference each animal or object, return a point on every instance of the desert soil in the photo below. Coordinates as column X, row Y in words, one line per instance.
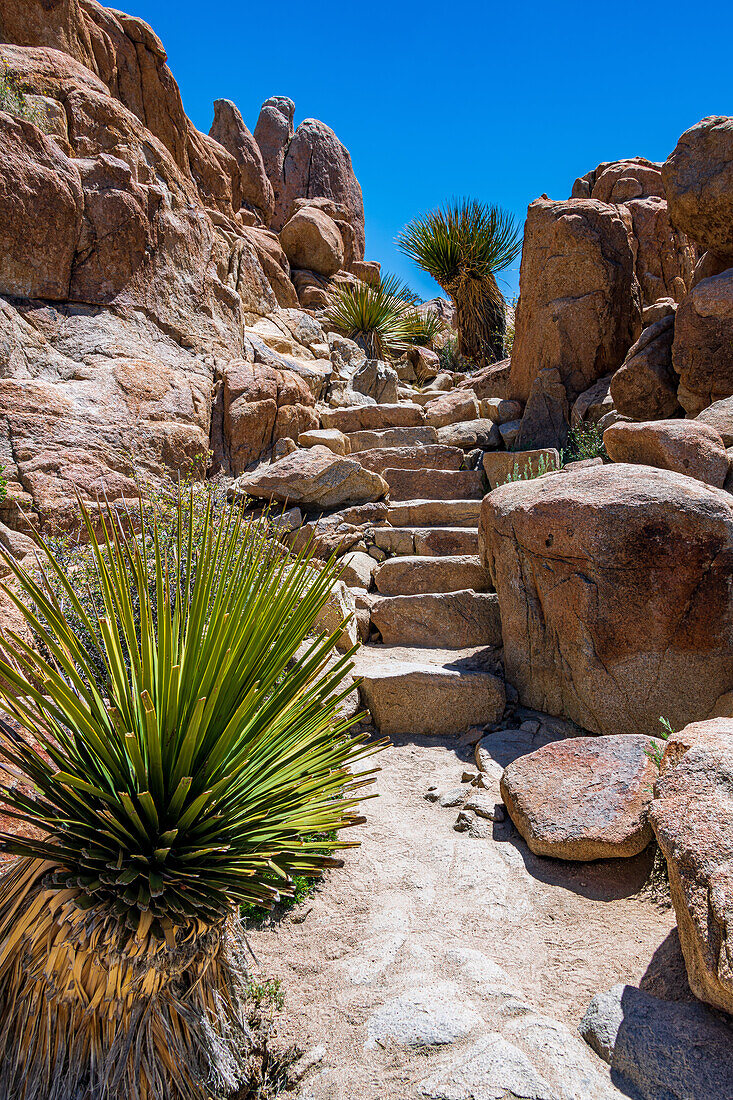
column 429, row 939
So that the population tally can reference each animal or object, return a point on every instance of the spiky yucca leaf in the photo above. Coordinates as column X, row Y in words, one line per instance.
column 463, row 246
column 160, row 803
column 381, row 317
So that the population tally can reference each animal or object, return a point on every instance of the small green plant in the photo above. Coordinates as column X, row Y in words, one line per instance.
column 585, row 440
column 3, row 484
column 381, row 317
column 656, row 752
column 451, row 358
column 544, row 465
column 14, row 101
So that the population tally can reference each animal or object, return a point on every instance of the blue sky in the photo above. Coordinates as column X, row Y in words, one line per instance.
column 502, row 102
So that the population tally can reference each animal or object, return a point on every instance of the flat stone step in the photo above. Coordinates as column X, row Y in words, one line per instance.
column 453, row 619
column 434, row 513
column 391, row 437
column 436, row 484
column 439, row 692
column 428, row 541
column 431, row 456
column 419, row 573
column 358, row 418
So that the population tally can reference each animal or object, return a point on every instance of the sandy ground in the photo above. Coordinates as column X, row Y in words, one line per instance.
column 424, row 916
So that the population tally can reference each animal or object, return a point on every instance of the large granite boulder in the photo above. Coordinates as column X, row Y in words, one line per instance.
column 645, row 385
column 312, row 478
column 702, row 352
column 688, row 447
column 698, row 181
column 692, row 816
column 583, row 798
column 88, row 400
column 580, row 309
column 311, row 240
column 614, row 584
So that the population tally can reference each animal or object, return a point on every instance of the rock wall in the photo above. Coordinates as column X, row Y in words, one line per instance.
column 135, row 253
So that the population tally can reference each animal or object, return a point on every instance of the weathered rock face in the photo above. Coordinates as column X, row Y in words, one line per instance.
column 702, row 352
column 546, row 417
column 313, row 478
column 604, row 620
column 273, row 133
column 87, row 398
column 580, row 309
column 254, row 188
column 687, row 447
column 645, row 385
column 692, row 816
column 665, row 257
column 583, row 798
column 40, row 206
column 698, row 180
column 260, row 405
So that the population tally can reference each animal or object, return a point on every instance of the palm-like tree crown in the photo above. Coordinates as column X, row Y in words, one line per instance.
column 463, row 246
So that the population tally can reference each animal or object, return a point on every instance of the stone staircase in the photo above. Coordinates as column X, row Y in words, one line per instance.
column 433, row 664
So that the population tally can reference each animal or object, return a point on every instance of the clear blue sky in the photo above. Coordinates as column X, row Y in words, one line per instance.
column 498, row 101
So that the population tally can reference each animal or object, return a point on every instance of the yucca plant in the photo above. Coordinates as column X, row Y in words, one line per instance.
column 463, row 246
column 152, row 806
column 381, row 317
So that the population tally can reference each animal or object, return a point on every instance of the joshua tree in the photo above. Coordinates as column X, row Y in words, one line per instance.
column 463, row 246
column 152, row 805
column 381, row 317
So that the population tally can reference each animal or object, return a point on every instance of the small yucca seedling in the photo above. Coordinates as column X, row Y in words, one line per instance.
column 153, row 806
column 463, row 246
column 381, row 317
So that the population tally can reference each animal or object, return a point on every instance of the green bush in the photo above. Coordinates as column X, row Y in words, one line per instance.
column 14, row 101
column 585, row 440
column 463, row 246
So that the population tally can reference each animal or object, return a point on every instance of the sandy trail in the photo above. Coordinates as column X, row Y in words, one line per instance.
column 432, row 946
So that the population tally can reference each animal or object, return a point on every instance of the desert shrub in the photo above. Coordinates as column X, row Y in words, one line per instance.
column 585, row 440
column 529, row 471
column 14, row 101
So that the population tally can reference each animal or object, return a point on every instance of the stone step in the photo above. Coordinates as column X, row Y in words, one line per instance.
column 431, row 456
column 439, row 692
column 357, row 418
column 428, row 541
column 436, row 484
column 391, row 437
column 454, row 619
column 406, row 576
column 434, row 513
